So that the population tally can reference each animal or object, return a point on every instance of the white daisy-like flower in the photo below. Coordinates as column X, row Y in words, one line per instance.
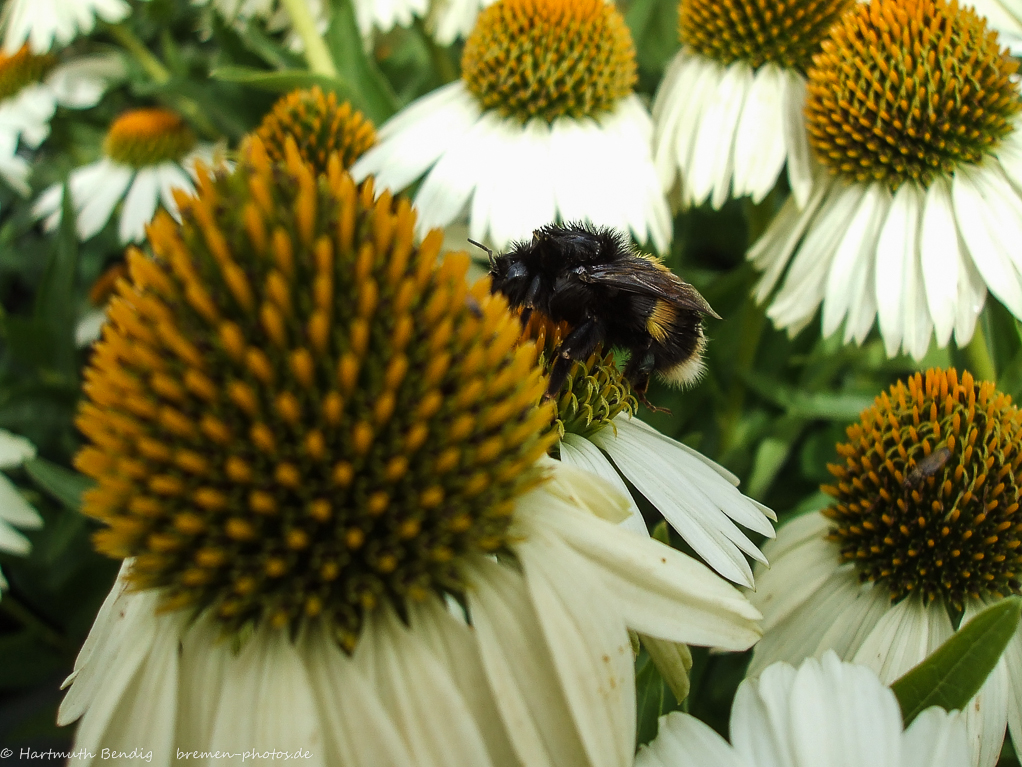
column 324, row 455
column 31, row 88
column 728, row 113
column 917, row 210
column 147, row 154
column 922, row 528
column 1005, row 16
column 698, row 498
column 41, row 24
column 272, row 13
column 542, row 126
column 822, row 713
column 15, row 511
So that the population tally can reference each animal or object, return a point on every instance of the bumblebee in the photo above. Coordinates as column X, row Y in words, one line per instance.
column 609, row 294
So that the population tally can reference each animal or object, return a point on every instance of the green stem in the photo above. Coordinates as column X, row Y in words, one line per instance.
column 13, row 608
column 977, row 354
column 442, row 63
column 130, row 42
column 753, row 323
column 316, row 52
column 161, row 75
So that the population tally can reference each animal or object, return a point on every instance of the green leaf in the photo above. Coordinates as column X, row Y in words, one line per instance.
column 649, row 697
column 62, row 484
column 953, row 674
column 283, row 80
column 375, row 97
column 55, row 301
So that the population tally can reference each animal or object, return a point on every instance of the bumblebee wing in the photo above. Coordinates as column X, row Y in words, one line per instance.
column 647, row 278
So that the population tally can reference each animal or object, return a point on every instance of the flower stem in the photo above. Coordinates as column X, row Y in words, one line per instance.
column 14, row 609
column 316, row 52
column 977, row 354
column 442, row 63
column 161, row 76
column 130, row 42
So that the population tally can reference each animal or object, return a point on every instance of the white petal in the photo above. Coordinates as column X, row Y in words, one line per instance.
column 580, row 452
column 521, row 673
column 139, row 206
column 684, row 741
column 660, row 591
column 895, row 254
column 905, row 636
column 1013, row 661
column 940, row 255
column 800, row 164
column 14, row 450
column 419, row 694
column 846, row 282
column 759, row 140
column 94, row 210
column 936, row 738
column 268, row 670
column 15, row 509
column 986, row 715
column 713, row 154
column 590, row 647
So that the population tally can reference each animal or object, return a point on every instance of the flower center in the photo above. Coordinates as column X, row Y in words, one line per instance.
column 145, row 137
column 787, row 32
column 909, row 89
column 549, row 58
column 319, row 127
column 595, row 391
column 927, row 497
column 21, row 69
column 294, row 412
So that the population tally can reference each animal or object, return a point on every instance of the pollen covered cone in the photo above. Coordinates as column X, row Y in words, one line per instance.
column 786, row 32
column 595, row 391
column 927, row 498
column 909, row 89
column 295, row 412
column 549, row 58
column 319, row 126
column 22, row 68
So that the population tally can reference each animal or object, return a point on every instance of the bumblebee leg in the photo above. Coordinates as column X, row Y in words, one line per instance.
column 578, row 344
column 637, row 372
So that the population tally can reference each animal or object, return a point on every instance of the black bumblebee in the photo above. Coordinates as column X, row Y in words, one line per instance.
column 610, row 294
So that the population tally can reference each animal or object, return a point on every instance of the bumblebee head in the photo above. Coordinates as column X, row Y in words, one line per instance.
column 511, row 276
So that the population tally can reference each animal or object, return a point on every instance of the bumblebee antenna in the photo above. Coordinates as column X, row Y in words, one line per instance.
column 479, row 245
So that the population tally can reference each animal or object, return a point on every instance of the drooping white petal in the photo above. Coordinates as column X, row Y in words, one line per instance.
column 896, row 253
column 671, row 103
column 453, row 643
column 800, row 164
column 793, row 578
column 357, row 730
column 418, row 693
column 521, row 673
column 939, row 251
column 713, row 153
column 139, row 205
column 847, row 285
column 986, row 715
column 659, row 591
column 15, row 509
column 81, row 82
column 1013, row 661
column 268, row 670
column 906, row 635
column 580, row 452
column 96, row 203
column 981, row 233
column 590, row 648
column 759, row 140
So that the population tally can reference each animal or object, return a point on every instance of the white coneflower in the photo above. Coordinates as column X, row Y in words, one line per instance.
column 914, row 112
column 31, row 88
column 824, row 712
column 41, row 24
column 923, row 528
column 542, row 126
column 147, row 154
column 15, row 511
column 698, row 498
column 728, row 113
column 314, row 441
